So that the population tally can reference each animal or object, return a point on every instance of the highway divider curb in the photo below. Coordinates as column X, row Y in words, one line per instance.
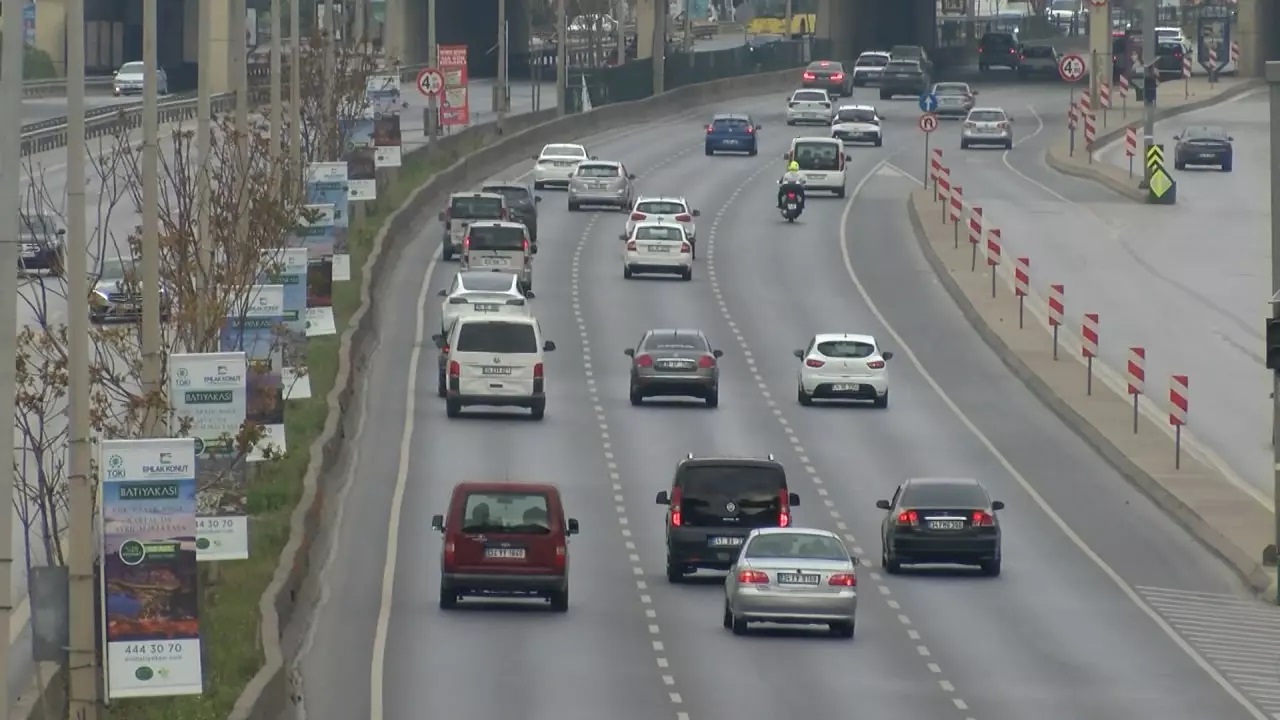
column 481, row 151
column 1247, row 567
column 1122, row 185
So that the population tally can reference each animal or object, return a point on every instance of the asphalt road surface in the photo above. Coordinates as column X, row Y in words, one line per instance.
column 37, row 109
column 1070, row 629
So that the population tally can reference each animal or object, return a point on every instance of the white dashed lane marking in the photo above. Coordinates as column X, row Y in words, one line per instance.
column 876, row 579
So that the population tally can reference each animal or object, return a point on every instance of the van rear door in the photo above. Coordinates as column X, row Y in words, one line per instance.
column 496, row 358
column 496, row 247
column 510, row 532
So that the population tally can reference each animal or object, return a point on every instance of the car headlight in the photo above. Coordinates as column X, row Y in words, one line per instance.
column 98, row 299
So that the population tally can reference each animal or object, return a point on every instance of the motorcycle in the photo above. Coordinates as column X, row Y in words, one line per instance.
column 791, row 207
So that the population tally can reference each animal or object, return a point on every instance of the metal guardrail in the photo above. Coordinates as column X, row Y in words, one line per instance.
column 58, row 86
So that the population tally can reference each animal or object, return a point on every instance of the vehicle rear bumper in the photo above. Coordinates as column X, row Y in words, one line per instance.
column 984, row 139
column 731, row 144
column 523, row 401
column 552, row 174
column 942, row 550
column 695, row 552
column 794, row 607
column 830, row 87
column 683, row 385
column 503, row 583
column 598, row 197
column 1211, row 157
column 856, row 137
column 659, row 266
column 802, row 118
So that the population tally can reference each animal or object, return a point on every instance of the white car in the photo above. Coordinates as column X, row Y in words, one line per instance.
column 822, row 163
column 666, row 210
column 1173, row 34
column 843, row 366
column 556, row 164
column 496, row 361
column 869, row 67
column 809, row 106
column 653, row 247
column 600, row 23
column 857, row 124
column 483, row 292
column 987, row 126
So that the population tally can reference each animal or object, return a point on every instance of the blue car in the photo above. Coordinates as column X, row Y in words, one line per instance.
column 732, row 132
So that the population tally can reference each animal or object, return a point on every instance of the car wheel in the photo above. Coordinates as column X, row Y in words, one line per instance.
column 693, row 249
column 1179, row 165
column 573, row 206
column 626, row 272
column 538, row 185
column 441, row 389
column 1226, row 166
column 1008, row 145
column 709, row 152
column 728, row 616
column 879, row 142
column 842, row 630
column 881, row 401
column 964, row 145
column 791, row 122
column 452, row 408
column 890, row 562
column 803, row 397
column 991, row 568
column 840, row 192
column 739, row 625
column 446, row 251
column 560, row 600
column 687, row 275
column 885, row 96
column 637, row 395
column 753, row 151
column 448, row 598
column 713, row 398
column 538, row 410
column 675, row 572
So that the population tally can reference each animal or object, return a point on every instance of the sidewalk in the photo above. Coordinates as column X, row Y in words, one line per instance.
column 1174, row 98
column 1226, row 518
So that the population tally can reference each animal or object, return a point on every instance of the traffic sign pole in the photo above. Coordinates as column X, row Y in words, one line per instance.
column 927, row 123
column 1071, row 69
column 430, row 82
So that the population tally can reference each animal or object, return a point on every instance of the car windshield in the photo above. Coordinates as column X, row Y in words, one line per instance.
column 497, row 338
column 1037, row 51
column 660, row 207
column 1204, row 132
column 476, row 207
column 39, row 224
column 597, row 171
column 133, row 68
column 730, row 124
column 818, row 155
column 672, row 341
column 495, row 237
column 873, row 61
column 797, row 546
column 863, row 115
column 950, row 89
column 732, row 495
column 487, row 281
column 564, row 151
column 810, row 96
column 986, row 116
column 657, row 232
column 944, row 495
column 506, row 512
column 513, row 194
column 114, row 269
column 846, row 349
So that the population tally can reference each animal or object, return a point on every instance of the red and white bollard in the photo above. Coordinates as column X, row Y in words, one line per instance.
column 1086, row 103
column 957, row 211
column 1090, row 132
column 1057, row 306
column 1213, row 64
column 1235, row 54
column 1124, row 94
column 935, row 163
column 1131, row 145
column 1089, row 347
column 1179, row 402
column 993, row 255
column 1186, row 67
column 1022, row 284
column 1104, row 99
column 975, row 236
column 942, row 189
column 1136, row 374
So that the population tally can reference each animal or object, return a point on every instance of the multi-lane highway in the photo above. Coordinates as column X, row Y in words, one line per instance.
column 1072, row 628
column 36, row 109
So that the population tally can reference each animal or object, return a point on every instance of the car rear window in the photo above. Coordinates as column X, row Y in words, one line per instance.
column 506, row 512
column 564, row 151
column 997, row 39
column 660, row 207
column 986, row 116
column 729, row 124
column 1037, row 51
column 950, row 89
column 496, row 237
column 872, row 61
column 944, row 495
column 818, row 155
column 514, row 195
column 597, row 171
column 857, row 115
column 825, row 66
column 487, row 208
column 800, row 546
column 810, row 96
column 659, row 233
column 1203, row 132
column 670, row 341
column 497, row 337
column 731, row 495
column 487, row 282
column 846, row 349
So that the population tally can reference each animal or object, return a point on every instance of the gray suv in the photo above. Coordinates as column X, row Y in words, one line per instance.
column 903, row 77
column 674, row 363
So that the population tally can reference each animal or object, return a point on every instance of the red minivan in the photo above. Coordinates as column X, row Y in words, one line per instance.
column 505, row 539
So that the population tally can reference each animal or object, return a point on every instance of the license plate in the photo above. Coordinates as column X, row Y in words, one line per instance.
column 725, row 541
column 504, row 553
column 672, row 365
column 486, row 307
column 494, row 261
column 1207, row 156
column 845, row 387
column 797, row 579
column 655, row 248
column 564, row 164
column 946, row 524
column 493, row 371
column 598, row 186
column 730, row 142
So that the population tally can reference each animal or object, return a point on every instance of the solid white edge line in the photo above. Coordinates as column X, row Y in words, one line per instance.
column 1026, row 486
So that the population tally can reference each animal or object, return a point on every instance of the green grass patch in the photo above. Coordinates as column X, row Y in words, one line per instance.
column 229, row 617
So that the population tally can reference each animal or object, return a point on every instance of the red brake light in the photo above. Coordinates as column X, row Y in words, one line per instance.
column 454, row 368
column 676, row 498
column 750, row 129
column 707, row 361
column 537, row 371
column 685, row 248
column 752, row 577
column 1012, row 51
column 843, row 580
column 815, row 363
column 526, row 246
column 562, row 554
column 876, row 364
column 449, row 551
column 908, row 517
column 445, row 349
column 466, row 243
column 631, row 245
column 1003, row 125
column 791, row 196
column 684, row 217
column 784, row 502
column 638, row 216
column 982, row 518
column 808, row 76
column 644, row 361
column 708, row 129
column 837, row 76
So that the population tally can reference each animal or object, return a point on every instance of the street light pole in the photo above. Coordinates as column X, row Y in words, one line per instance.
column 501, row 94
column 10, row 216
column 295, row 89
column 277, row 109
column 433, row 103
column 620, row 26
column 1273, row 79
column 1150, row 10
column 152, row 362
column 204, row 130
column 562, row 56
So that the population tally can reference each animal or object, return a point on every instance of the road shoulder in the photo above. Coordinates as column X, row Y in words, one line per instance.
column 1221, row 515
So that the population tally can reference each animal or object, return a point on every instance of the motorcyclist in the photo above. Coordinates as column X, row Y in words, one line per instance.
column 791, row 181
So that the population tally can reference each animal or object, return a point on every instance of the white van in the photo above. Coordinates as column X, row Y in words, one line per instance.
column 822, row 163
column 496, row 361
column 464, row 209
column 498, row 245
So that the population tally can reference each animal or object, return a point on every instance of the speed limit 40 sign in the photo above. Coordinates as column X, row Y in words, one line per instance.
column 1072, row 68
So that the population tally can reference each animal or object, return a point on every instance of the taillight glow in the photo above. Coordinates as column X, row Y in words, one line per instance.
column 814, row 363
column 537, row 371
column 908, row 517
column 837, row 76
column 449, row 554
column 982, row 518
column 808, row 76
column 684, row 217
column 1003, row 125
column 466, row 243
column 644, row 361
column 969, row 126
column 685, row 248
column 706, row 361
column 791, row 196
column 708, row 129
column 752, row 577
column 843, row 580
column 1012, row 51
column 750, row 129
column 526, row 247
column 562, row 554
column 631, row 245
column 454, row 368
column 876, row 364
column 676, row 498
column 638, row 216
column 784, row 502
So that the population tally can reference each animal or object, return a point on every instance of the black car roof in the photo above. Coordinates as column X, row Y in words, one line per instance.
column 731, row 462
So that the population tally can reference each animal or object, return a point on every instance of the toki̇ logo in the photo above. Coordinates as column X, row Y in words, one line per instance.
column 182, row 377
column 115, row 467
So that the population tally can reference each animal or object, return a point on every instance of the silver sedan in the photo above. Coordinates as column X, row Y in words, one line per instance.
column 601, row 182
column 798, row 576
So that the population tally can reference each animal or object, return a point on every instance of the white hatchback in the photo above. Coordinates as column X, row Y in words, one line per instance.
column 809, row 106
column 556, row 164
column 857, row 124
column 842, row 366
column 653, row 247
column 666, row 210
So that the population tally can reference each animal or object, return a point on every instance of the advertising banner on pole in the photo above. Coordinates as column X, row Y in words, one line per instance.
column 208, row 394
column 287, row 267
column 359, row 153
column 386, row 141
column 382, row 92
column 150, row 596
column 255, row 330
column 327, row 185
column 320, row 320
column 317, row 233
column 456, row 109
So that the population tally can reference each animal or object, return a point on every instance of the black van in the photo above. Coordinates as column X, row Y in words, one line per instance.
column 714, row 503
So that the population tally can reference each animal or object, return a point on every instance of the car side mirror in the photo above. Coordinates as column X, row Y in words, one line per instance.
column 997, row 505
column 443, row 293
column 62, row 231
column 847, row 156
column 440, row 216
column 887, row 355
column 572, row 528
column 595, row 157
column 1177, row 137
column 629, row 352
column 537, row 199
column 759, row 126
column 622, row 236
column 535, row 157
column 973, row 93
column 631, row 176
column 786, row 156
column 548, row 346
column 717, row 354
column 529, row 294
column 793, row 500
column 798, row 353
column 533, row 249
column 437, row 523
column 438, row 340
column 662, row 498
column 1229, row 139
column 853, row 560
column 884, row 505
column 698, row 213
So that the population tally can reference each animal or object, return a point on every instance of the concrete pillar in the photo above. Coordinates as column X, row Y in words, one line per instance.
column 220, row 47
column 1249, row 33
column 413, row 41
column 51, row 31
column 395, row 29
column 644, row 27
column 1099, row 49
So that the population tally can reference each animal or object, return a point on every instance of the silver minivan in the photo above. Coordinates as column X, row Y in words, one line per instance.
column 464, row 209
column 500, row 246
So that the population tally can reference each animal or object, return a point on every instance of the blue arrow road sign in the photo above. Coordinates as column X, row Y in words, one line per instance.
column 928, row 102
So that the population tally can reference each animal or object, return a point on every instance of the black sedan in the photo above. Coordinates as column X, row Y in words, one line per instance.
column 940, row 521
column 827, row 75
column 40, row 244
column 674, row 363
column 1203, row 145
